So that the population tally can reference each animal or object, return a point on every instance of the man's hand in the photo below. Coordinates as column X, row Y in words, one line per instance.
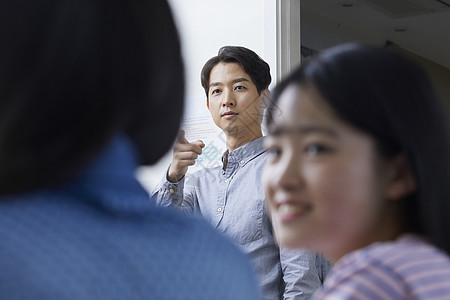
column 184, row 155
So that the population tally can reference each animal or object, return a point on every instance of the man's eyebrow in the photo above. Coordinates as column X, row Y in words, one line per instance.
column 241, row 79
column 303, row 130
column 214, row 84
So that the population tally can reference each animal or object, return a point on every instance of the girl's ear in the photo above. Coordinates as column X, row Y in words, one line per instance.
column 402, row 181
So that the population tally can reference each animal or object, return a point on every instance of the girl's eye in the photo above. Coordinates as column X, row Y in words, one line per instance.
column 315, row 149
column 273, row 152
column 216, row 91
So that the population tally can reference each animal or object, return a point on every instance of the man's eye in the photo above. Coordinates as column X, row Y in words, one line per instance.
column 239, row 87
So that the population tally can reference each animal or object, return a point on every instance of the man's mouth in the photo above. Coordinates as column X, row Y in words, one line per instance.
column 229, row 115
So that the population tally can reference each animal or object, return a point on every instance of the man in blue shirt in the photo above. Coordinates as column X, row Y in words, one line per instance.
column 231, row 197
column 85, row 99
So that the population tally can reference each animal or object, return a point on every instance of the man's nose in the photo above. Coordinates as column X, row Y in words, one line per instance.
column 228, row 99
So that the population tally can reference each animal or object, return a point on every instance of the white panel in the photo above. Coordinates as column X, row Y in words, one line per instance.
column 205, row 26
column 288, row 36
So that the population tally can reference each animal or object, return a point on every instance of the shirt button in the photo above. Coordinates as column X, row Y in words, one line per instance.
column 242, row 162
column 172, row 191
column 219, row 209
column 226, row 180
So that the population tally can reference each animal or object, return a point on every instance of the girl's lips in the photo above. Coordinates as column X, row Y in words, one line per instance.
column 289, row 212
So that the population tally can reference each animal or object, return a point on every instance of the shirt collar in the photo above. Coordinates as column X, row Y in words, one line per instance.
column 109, row 181
column 245, row 152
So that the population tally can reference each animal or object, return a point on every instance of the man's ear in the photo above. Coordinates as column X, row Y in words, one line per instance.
column 207, row 102
column 402, row 181
column 266, row 96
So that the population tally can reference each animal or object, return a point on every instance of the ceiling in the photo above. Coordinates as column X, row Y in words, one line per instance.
column 418, row 26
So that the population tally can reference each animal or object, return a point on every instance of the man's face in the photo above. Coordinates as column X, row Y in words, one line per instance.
column 233, row 100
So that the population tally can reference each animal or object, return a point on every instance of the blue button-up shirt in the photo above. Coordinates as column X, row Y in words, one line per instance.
column 231, row 198
column 100, row 237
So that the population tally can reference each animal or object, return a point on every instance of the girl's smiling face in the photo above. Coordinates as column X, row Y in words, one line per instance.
column 327, row 187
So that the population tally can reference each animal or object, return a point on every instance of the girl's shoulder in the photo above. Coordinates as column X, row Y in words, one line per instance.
column 392, row 270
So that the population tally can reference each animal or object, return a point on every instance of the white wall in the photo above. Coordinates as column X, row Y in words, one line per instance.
column 205, row 26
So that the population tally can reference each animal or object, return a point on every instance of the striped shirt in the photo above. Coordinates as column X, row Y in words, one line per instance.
column 407, row 268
